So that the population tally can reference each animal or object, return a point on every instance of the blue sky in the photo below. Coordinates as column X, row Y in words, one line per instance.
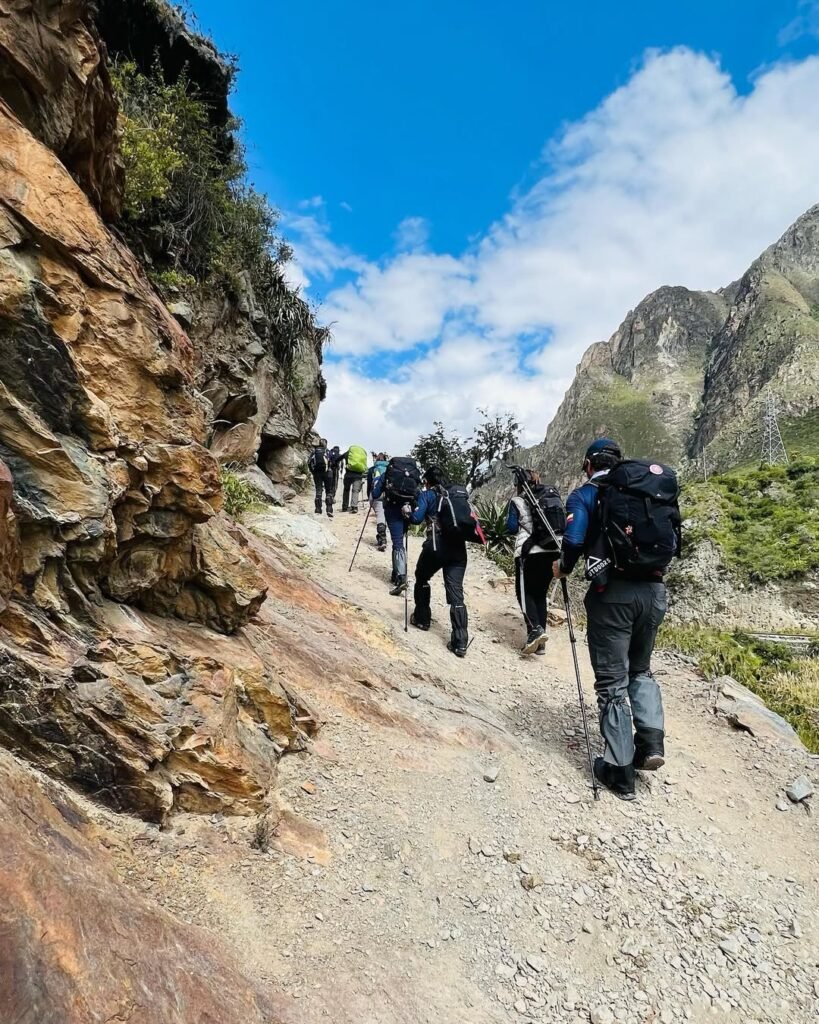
column 432, row 159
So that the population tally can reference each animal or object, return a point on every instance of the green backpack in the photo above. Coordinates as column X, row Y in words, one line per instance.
column 357, row 459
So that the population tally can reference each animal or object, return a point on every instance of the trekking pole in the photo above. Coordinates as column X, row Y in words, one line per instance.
column 582, row 699
column 363, row 528
column 406, row 581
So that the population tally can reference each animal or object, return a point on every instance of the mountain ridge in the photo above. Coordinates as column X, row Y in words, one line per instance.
column 689, row 369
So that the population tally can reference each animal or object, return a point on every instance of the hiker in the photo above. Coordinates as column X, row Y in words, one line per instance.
column 444, row 549
column 535, row 552
column 625, row 521
column 319, row 466
column 377, row 469
column 355, row 460
column 398, row 486
column 334, row 457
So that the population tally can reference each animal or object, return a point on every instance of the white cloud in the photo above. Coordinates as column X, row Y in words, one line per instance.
column 412, row 233
column 674, row 179
column 806, row 23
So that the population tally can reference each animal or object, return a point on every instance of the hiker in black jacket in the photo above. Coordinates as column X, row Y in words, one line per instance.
column 439, row 552
column 322, row 472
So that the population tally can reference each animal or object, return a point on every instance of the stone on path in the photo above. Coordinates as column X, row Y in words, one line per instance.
column 800, row 789
column 491, row 774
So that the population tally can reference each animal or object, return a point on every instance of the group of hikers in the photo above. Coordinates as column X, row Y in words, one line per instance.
column 622, row 523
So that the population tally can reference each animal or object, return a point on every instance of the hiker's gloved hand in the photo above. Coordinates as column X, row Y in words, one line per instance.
column 406, row 510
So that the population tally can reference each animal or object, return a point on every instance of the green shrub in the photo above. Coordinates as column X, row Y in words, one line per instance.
column 239, row 497
column 763, row 520
column 788, row 685
column 189, row 209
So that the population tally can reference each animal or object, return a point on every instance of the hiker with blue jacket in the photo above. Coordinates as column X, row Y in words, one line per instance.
column 442, row 550
column 624, row 521
column 378, row 469
column 397, row 487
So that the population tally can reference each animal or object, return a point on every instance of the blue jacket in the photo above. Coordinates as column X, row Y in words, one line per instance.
column 581, row 519
column 512, row 518
column 426, row 508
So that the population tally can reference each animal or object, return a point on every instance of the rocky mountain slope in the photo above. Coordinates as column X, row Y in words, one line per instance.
column 690, row 369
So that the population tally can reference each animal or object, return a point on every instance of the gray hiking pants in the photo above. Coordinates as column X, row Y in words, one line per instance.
column 622, row 626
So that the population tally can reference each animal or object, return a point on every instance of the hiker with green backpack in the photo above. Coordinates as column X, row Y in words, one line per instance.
column 355, row 460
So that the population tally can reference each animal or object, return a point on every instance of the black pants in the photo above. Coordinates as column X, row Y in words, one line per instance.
column 533, row 574
column 324, row 484
column 621, row 629
column 451, row 560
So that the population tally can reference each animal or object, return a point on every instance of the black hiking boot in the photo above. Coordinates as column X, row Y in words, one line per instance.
column 400, row 586
column 534, row 640
column 649, row 750
column 618, row 779
column 650, row 761
column 459, row 638
column 418, row 625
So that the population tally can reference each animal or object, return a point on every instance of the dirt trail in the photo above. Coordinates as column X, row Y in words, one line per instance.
column 696, row 902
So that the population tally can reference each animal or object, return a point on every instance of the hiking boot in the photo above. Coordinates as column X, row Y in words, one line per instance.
column 649, row 761
column 329, row 513
column 616, row 778
column 354, row 511
column 318, row 510
column 533, row 641
column 400, row 586
column 540, row 650
column 418, row 625
column 458, row 651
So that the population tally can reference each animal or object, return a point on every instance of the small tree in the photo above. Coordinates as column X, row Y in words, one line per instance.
column 467, row 462
column 492, row 439
column 442, row 449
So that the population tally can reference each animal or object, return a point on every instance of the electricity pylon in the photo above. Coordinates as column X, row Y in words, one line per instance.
column 773, row 447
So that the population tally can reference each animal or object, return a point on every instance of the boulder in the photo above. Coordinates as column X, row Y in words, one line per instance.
column 298, row 533
column 744, row 710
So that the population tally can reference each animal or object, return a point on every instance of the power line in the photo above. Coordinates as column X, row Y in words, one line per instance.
column 773, row 447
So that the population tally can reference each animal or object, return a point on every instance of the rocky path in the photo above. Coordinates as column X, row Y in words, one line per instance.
column 416, row 890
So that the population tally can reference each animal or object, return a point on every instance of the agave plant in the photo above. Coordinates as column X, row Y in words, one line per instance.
column 493, row 521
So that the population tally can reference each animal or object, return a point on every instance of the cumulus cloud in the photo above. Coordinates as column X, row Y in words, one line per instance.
column 676, row 178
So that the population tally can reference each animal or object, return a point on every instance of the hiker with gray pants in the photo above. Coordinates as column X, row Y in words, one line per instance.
column 625, row 604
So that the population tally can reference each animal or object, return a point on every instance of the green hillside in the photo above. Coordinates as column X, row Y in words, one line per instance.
column 764, row 520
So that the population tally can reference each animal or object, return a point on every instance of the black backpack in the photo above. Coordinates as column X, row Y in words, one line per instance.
column 548, row 504
column 318, row 460
column 402, row 481
column 456, row 516
column 640, row 517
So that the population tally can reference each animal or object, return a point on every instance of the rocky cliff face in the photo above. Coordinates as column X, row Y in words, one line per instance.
column 109, row 493
column 691, row 368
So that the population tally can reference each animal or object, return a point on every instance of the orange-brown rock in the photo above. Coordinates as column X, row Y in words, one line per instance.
column 77, row 947
column 54, row 78
column 9, row 539
column 112, row 481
